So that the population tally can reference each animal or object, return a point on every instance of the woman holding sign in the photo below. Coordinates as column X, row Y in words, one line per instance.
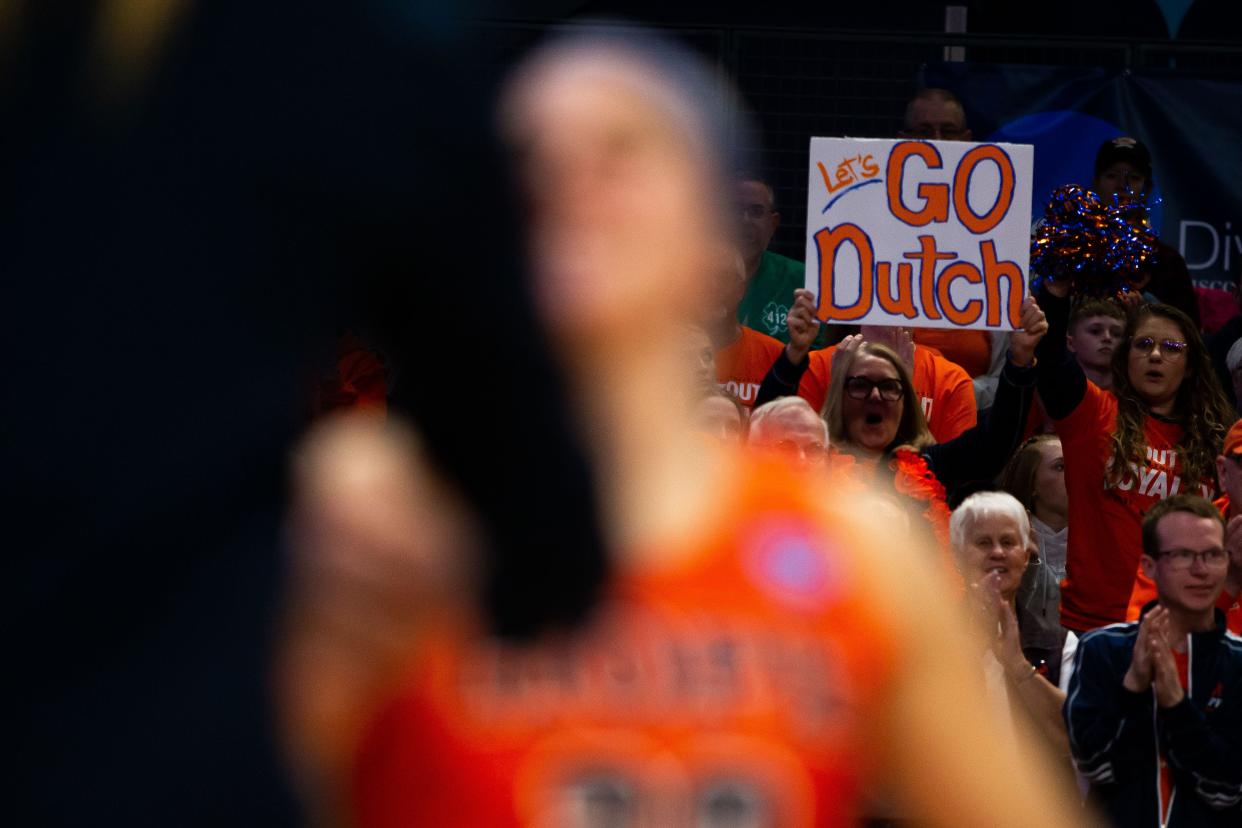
column 874, row 414
column 1155, row 434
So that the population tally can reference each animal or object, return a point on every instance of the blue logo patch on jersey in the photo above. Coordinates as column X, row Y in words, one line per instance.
column 789, row 562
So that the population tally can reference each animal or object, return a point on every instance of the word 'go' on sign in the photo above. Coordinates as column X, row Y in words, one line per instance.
column 941, row 240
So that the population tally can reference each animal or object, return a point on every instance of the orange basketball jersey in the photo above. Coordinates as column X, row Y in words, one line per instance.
column 732, row 684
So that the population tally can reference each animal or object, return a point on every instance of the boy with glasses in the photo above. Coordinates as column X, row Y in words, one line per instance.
column 1155, row 708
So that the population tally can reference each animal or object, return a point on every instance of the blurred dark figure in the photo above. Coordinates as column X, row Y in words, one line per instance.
column 938, row 114
column 1220, row 343
column 197, row 197
column 1123, row 170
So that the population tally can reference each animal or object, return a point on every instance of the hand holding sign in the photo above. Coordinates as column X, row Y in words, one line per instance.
column 1022, row 342
column 943, row 243
column 802, row 325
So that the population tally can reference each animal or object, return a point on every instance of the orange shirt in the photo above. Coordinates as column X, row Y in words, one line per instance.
column 741, row 367
column 1105, row 539
column 1144, row 590
column 946, row 392
column 742, row 673
column 972, row 350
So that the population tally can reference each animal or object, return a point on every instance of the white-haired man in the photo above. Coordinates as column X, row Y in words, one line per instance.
column 790, row 425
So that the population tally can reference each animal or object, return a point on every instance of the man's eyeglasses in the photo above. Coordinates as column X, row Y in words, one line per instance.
column 812, row 450
column 1171, row 348
column 752, row 212
column 1181, row 559
column 859, row 388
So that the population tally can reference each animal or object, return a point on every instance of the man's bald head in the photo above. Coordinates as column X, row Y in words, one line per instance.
column 935, row 114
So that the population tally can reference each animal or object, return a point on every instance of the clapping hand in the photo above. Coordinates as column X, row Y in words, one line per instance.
column 1152, row 664
column 845, row 351
column 900, row 339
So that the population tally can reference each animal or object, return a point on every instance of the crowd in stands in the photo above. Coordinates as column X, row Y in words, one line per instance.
column 1078, row 480
column 1074, row 479
column 614, row 530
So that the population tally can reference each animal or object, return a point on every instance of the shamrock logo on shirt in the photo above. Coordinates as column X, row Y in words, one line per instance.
column 774, row 317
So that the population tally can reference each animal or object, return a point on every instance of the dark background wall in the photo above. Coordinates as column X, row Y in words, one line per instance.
column 848, row 69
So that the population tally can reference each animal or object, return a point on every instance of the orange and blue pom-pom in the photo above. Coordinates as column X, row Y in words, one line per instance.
column 1100, row 247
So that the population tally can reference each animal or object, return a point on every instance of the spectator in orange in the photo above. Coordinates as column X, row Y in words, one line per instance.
column 943, row 390
column 870, row 416
column 742, row 355
column 1155, row 434
column 790, row 426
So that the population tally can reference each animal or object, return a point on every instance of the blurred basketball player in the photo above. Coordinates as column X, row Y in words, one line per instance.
column 763, row 652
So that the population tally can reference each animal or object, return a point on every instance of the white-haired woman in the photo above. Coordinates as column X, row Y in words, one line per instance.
column 991, row 537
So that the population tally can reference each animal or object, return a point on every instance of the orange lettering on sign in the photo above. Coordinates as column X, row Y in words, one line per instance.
column 847, row 173
column 993, row 272
column 935, row 196
column 903, row 302
column 961, row 188
column 827, row 241
column 927, row 257
column 934, row 297
column 973, row 308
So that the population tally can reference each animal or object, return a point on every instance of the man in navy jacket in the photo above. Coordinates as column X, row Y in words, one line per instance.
column 1155, row 707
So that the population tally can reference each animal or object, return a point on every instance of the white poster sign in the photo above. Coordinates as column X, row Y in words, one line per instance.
column 923, row 233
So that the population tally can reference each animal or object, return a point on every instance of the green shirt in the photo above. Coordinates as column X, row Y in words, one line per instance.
column 770, row 295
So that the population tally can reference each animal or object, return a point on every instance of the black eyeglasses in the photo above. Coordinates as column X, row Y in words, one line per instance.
column 1171, row 348
column 1180, row 559
column 859, row 388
